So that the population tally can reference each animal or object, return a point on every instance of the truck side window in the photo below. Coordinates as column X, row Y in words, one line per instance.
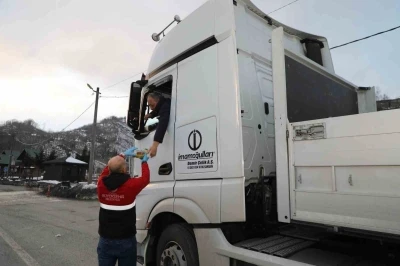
column 165, row 90
column 312, row 95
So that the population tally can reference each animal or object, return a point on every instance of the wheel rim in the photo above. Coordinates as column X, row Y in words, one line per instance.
column 173, row 255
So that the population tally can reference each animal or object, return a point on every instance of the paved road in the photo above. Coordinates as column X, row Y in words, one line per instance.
column 29, row 224
column 11, row 188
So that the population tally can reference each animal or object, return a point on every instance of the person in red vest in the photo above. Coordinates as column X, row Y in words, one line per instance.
column 117, row 192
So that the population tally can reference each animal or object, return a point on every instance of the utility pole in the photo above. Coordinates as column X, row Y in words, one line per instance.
column 92, row 150
column 11, row 155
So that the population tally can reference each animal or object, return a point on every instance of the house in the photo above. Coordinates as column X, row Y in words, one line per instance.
column 9, row 152
column 5, row 157
column 3, row 163
column 65, row 169
column 26, row 165
column 4, row 160
column 28, row 157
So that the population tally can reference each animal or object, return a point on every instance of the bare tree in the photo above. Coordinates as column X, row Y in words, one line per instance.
column 379, row 95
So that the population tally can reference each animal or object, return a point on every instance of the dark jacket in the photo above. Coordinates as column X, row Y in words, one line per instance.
column 162, row 110
column 117, row 196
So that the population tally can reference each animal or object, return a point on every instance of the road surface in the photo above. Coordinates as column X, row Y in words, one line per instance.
column 29, row 225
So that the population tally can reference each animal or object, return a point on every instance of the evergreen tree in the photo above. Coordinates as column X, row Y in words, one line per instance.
column 84, row 151
column 85, row 156
column 40, row 158
column 52, row 155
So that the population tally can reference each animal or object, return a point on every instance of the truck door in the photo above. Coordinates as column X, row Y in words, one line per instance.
column 162, row 166
column 208, row 139
column 196, row 158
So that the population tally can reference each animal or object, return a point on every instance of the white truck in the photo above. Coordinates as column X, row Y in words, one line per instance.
column 269, row 158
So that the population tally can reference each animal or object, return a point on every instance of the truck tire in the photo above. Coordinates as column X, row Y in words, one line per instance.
column 177, row 247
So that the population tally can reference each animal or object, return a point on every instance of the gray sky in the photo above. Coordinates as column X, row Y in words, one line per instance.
column 50, row 49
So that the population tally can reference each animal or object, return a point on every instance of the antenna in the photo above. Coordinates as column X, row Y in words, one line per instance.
column 156, row 36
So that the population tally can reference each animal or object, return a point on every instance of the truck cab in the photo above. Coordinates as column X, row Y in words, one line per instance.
column 267, row 153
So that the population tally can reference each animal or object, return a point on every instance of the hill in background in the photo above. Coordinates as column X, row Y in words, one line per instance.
column 113, row 136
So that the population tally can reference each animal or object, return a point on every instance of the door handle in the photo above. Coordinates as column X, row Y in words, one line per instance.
column 350, row 180
column 165, row 169
column 266, row 108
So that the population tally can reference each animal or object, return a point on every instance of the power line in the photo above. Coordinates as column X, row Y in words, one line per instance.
column 123, row 80
column 283, row 7
column 78, row 117
column 34, row 144
column 364, row 38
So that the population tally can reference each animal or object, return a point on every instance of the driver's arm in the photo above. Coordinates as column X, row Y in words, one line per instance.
column 152, row 114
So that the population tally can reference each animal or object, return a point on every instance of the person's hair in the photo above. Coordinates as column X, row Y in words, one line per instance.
column 155, row 95
column 116, row 165
column 117, row 169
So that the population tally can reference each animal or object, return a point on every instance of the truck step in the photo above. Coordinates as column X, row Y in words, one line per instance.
column 250, row 242
column 286, row 252
column 313, row 234
column 277, row 245
column 270, row 242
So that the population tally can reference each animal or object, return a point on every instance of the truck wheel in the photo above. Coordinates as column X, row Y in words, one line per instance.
column 177, row 247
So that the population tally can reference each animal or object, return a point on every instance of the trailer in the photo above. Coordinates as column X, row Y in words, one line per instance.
column 270, row 158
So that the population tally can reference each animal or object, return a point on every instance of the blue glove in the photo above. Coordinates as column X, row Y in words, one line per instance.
column 130, row 151
column 145, row 158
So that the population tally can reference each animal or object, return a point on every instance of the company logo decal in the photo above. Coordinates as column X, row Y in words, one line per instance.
column 194, row 140
column 197, row 159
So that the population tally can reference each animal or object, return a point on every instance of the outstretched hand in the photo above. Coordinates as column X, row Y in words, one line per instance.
column 145, row 158
column 153, row 149
column 130, row 152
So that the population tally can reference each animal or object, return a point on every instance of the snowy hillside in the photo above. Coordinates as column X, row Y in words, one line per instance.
column 113, row 136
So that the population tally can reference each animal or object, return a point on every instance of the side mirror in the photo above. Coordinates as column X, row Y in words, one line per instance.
column 134, row 104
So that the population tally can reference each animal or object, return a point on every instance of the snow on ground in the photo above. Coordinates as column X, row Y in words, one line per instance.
column 89, row 186
column 33, row 178
column 55, row 182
